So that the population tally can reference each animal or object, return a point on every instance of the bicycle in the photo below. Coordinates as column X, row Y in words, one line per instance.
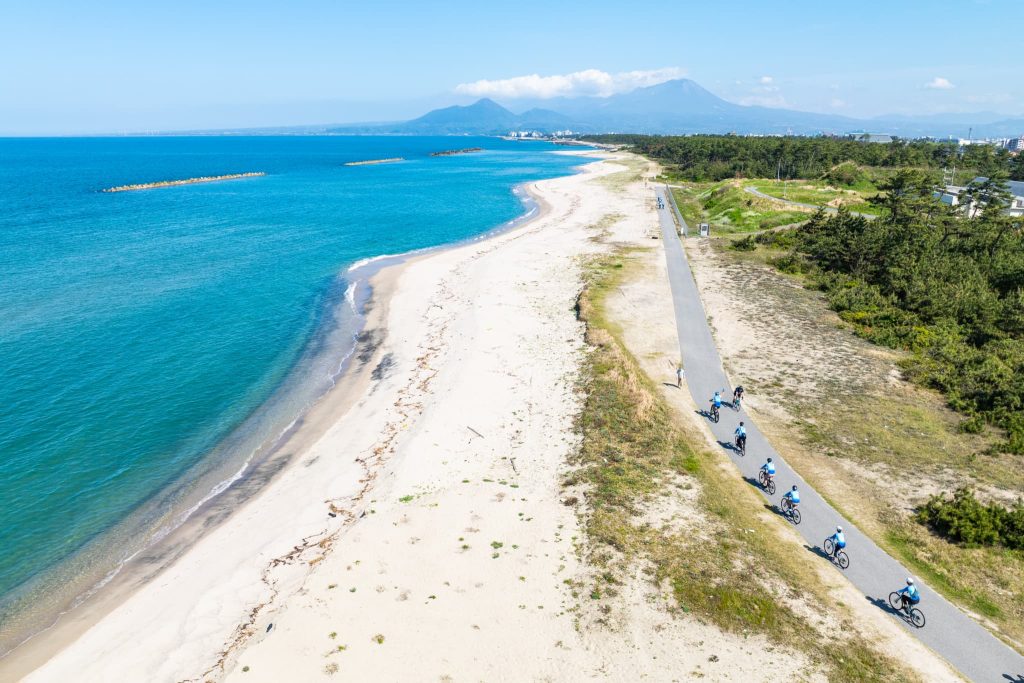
column 767, row 482
column 910, row 613
column 741, row 445
column 714, row 413
column 837, row 555
column 736, row 403
column 791, row 511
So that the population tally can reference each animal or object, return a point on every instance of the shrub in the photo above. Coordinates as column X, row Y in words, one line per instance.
column 964, row 519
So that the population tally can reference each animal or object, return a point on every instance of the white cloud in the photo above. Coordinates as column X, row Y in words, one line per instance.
column 587, row 82
column 939, row 83
column 766, row 80
column 837, row 103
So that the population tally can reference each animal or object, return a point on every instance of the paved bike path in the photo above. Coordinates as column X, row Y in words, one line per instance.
column 963, row 642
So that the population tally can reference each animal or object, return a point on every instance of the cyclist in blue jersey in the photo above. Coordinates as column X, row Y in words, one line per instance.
column 838, row 540
column 769, row 468
column 909, row 595
column 716, row 400
column 793, row 495
column 741, row 437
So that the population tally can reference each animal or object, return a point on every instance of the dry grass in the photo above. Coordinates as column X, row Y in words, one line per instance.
column 635, row 455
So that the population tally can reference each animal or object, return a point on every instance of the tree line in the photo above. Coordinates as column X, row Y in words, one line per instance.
column 941, row 282
column 718, row 157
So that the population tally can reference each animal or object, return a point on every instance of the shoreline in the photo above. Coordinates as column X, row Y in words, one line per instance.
column 221, row 507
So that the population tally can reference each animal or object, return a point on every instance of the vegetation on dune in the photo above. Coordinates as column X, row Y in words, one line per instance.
column 965, row 519
column 855, row 436
column 927, row 278
column 728, row 208
column 635, row 456
column 702, row 158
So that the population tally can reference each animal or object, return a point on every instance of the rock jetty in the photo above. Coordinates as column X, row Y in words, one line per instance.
column 186, row 181
column 374, row 161
column 453, row 152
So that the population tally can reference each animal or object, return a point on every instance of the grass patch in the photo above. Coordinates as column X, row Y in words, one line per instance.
column 633, row 452
column 618, row 182
column 729, row 209
column 820, row 193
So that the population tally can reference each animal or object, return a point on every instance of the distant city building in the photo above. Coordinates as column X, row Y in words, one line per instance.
column 1015, row 144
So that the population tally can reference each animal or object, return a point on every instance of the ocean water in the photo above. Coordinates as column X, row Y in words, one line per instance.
column 152, row 341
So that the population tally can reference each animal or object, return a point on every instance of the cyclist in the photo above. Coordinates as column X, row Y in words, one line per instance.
column 741, row 437
column 838, row 540
column 737, row 394
column 793, row 496
column 909, row 595
column 769, row 469
column 716, row 405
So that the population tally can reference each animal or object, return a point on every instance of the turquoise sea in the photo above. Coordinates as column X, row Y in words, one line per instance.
column 152, row 342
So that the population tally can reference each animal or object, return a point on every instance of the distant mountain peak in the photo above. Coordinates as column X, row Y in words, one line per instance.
column 678, row 106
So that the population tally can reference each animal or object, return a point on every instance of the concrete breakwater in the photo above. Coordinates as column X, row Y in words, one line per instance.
column 453, row 152
column 368, row 162
column 186, row 181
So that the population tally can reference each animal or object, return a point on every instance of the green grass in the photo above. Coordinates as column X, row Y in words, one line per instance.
column 634, row 451
column 731, row 210
column 819, row 193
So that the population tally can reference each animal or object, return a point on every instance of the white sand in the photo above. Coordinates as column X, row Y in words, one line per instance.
column 450, row 543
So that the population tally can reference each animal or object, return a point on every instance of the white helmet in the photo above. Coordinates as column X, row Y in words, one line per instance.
column 910, row 581
column 839, row 529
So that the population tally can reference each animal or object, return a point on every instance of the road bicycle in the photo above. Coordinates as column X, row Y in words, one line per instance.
column 837, row 555
column 714, row 413
column 767, row 482
column 791, row 511
column 909, row 613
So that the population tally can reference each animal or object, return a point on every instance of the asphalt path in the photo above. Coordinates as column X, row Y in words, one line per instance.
column 948, row 631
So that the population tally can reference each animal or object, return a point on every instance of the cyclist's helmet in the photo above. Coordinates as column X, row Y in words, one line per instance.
column 839, row 529
column 794, row 487
column 769, row 459
column 910, row 581
column 741, row 423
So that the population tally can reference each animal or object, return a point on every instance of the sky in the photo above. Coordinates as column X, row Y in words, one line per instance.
column 135, row 67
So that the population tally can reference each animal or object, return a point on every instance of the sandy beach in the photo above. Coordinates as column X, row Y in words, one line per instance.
column 458, row 422
column 419, row 528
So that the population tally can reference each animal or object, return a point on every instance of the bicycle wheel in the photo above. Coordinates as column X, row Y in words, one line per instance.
column 762, row 479
column 714, row 414
column 795, row 515
column 895, row 601
column 916, row 617
column 771, row 487
column 843, row 559
column 829, row 546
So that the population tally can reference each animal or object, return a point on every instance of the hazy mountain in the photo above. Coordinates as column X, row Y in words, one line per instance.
column 678, row 106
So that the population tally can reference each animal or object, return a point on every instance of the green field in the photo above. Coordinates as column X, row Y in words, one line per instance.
column 820, row 193
column 729, row 209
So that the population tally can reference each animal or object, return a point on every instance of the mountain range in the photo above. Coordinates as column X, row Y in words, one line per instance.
column 676, row 107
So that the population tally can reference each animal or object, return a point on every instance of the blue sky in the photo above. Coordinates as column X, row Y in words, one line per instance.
column 120, row 66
